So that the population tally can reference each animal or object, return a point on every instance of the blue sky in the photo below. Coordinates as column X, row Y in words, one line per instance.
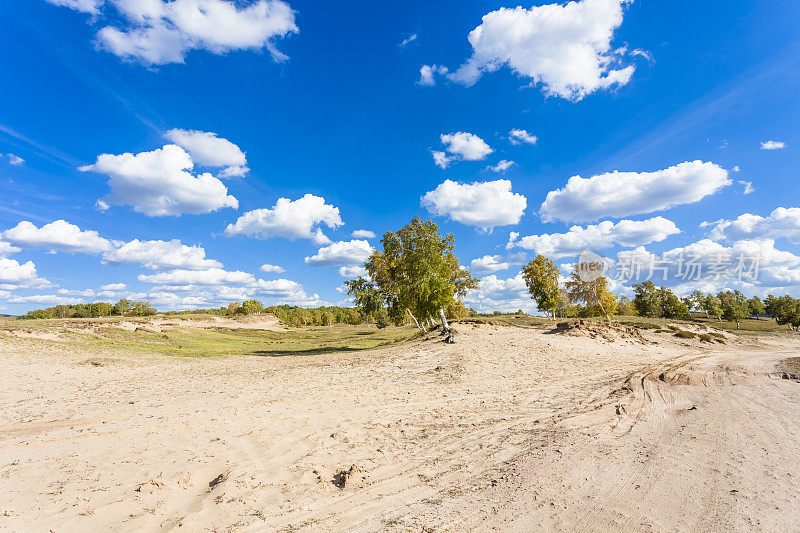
column 263, row 100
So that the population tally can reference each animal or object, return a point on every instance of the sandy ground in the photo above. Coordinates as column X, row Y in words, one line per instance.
column 509, row 429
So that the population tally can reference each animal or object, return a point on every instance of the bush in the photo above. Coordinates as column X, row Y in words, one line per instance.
column 382, row 318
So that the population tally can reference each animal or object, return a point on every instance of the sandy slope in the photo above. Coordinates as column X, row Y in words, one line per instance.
column 509, row 429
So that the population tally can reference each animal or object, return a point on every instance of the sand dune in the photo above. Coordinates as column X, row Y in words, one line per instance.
column 509, row 429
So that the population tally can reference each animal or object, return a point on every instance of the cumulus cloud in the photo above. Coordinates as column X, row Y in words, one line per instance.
column 427, row 74
column 342, row 253
column 183, row 289
column 158, row 255
column 748, row 187
column 352, row 271
column 489, row 264
column 363, row 234
column 159, row 183
column 156, row 32
column 496, row 294
column 461, row 146
column 521, row 136
column 59, row 235
column 15, row 275
column 113, row 287
column 15, row 160
column 710, row 266
column 619, row 194
column 482, row 204
column 210, row 276
column 781, row 223
column 597, row 237
column 51, row 299
column 7, row 249
column 272, row 269
column 501, row 166
column 772, row 145
column 564, row 48
column 206, row 149
column 292, row 219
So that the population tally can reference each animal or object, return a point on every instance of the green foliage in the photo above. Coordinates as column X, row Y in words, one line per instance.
column 417, row 270
column 252, row 307
column 712, row 306
column 541, row 277
column 646, row 300
column 382, row 318
column 365, row 295
column 94, row 310
column 755, row 306
column 734, row 306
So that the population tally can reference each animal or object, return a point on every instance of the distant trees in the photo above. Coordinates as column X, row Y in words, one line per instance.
column 712, row 306
column 541, row 277
column 416, row 273
column 756, row 307
column 94, row 310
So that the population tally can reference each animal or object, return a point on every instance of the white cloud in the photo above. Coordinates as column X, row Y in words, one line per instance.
column 488, row 264
column 495, row 294
column 521, row 136
column 102, row 206
column 501, row 166
column 408, row 40
column 15, row 275
column 298, row 219
column 482, row 204
column 467, row 146
column 352, row 271
column 736, row 168
column 86, row 6
column 208, row 291
column 211, row 276
column 782, row 222
column 709, row 266
column 363, row 234
column 207, row 149
column 440, row 159
column 565, row 48
column 15, row 160
column 772, row 145
column 159, row 183
column 52, row 299
column 155, row 32
column 157, row 255
column 597, row 237
column 59, row 235
column 748, row 187
column 113, row 287
column 342, row 253
column 619, row 194
column 272, row 269
column 427, row 74
column 7, row 249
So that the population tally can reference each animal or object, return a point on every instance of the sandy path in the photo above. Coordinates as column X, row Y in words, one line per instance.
column 511, row 428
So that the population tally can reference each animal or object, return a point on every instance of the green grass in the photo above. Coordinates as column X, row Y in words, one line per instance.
column 185, row 341
column 223, row 341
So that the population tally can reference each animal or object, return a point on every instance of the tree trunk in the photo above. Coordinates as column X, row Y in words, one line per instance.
column 445, row 326
column 421, row 328
column 737, row 325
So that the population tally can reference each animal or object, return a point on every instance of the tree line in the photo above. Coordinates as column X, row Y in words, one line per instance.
column 93, row 310
column 590, row 297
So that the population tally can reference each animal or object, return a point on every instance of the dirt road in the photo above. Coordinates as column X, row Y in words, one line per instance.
column 509, row 429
